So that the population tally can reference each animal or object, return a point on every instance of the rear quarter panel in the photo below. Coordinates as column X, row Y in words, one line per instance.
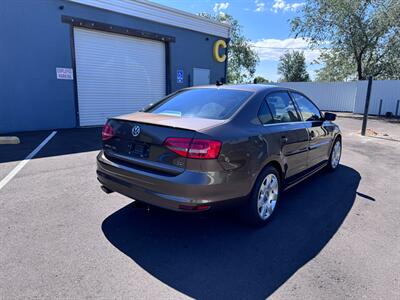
column 244, row 152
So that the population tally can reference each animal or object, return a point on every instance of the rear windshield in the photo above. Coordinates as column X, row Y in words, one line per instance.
column 216, row 104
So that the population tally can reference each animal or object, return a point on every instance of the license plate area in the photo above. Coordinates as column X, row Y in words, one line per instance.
column 138, row 149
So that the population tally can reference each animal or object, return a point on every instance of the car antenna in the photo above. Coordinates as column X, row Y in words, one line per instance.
column 218, row 83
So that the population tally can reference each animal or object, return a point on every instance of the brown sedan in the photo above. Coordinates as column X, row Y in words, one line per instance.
column 202, row 147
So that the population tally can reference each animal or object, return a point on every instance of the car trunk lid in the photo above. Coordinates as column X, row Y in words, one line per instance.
column 139, row 138
column 173, row 121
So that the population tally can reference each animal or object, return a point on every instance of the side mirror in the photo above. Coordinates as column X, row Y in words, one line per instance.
column 329, row 116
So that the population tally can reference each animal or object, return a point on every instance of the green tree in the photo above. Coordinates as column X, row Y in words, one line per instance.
column 335, row 67
column 242, row 59
column 361, row 37
column 292, row 67
column 260, row 79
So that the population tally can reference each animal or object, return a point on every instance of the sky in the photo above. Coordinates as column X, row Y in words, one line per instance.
column 264, row 22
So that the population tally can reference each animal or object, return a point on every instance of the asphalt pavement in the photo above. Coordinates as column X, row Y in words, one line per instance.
column 335, row 236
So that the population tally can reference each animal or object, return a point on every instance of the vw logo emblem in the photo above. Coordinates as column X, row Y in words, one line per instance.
column 136, row 130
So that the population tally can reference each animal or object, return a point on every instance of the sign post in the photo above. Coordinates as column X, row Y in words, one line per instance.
column 366, row 107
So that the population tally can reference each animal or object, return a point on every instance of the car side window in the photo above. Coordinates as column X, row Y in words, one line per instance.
column 282, row 107
column 308, row 110
column 264, row 114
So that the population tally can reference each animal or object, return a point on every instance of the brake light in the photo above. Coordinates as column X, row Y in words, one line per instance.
column 107, row 132
column 178, row 145
column 207, row 149
column 194, row 148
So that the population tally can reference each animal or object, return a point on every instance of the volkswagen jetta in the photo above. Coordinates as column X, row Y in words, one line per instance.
column 202, row 147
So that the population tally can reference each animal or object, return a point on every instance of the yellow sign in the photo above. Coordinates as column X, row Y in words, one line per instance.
column 217, row 45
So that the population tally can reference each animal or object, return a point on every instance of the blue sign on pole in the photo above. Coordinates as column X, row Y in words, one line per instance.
column 179, row 76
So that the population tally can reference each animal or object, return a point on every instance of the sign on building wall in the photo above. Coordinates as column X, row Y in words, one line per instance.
column 65, row 73
column 220, row 44
column 179, row 76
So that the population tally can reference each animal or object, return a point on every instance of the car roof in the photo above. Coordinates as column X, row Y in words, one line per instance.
column 243, row 87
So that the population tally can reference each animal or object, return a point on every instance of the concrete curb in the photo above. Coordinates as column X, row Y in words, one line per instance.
column 9, row 140
column 360, row 117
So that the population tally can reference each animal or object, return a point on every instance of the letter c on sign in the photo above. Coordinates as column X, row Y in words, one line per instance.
column 217, row 45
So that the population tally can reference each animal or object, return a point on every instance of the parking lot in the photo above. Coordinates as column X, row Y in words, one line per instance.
column 335, row 235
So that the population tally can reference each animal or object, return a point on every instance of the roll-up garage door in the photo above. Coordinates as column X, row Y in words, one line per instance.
column 116, row 74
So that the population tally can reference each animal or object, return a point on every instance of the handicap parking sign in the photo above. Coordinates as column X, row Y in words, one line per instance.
column 179, row 76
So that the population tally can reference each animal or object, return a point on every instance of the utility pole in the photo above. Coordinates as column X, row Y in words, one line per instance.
column 366, row 107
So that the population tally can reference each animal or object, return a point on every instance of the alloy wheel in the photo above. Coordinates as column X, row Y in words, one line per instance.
column 267, row 196
column 336, row 152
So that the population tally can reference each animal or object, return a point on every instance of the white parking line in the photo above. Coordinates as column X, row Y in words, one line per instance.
column 18, row 168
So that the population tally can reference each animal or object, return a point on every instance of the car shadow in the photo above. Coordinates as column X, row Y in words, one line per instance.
column 215, row 256
column 66, row 141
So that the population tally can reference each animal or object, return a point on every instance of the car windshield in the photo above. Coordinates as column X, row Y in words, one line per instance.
column 207, row 103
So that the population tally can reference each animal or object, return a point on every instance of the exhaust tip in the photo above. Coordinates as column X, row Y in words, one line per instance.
column 106, row 190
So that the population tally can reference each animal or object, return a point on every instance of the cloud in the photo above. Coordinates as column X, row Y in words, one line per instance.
column 260, row 6
column 218, row 7
column 272, row 49
column 282, row 5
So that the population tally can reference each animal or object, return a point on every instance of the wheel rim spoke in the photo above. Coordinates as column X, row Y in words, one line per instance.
column 260, row 201
column 263, row 210
column 269, row 209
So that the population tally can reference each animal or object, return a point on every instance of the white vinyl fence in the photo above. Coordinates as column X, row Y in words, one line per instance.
column 350, row 96
column 387, row 90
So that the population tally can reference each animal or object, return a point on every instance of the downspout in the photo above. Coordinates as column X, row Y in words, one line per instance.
column 226, row 60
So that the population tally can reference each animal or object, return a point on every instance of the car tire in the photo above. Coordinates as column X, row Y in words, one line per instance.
column 267, row 190
column 334, row 157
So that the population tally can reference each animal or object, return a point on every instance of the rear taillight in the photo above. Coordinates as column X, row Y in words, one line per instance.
column 178, row 145
column 207, row 149
column 194, row 148
column 107, row 132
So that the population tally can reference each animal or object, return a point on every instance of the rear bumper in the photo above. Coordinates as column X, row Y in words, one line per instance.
column 188, row 189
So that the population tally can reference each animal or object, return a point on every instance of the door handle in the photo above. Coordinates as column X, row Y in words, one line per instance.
column 284, row 139
column 312, row 134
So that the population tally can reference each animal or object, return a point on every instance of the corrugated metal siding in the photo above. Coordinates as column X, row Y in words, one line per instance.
column 387, row 90
column 116, row 74
column 49, row 43
column 161, row 14
column 333, row 96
